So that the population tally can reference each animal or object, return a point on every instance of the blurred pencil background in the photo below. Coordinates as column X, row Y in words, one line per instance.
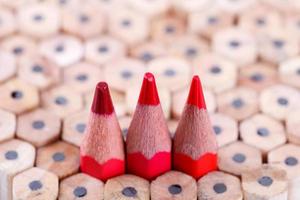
column 246, row 52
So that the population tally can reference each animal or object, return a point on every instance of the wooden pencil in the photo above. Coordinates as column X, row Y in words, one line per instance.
column 127, row 187
column 258, row 76
column 239, row 103
column 39, row 72
column 16, row 156
column 265, row 183
column 62, row 101
column 82, row 77
column 35, row 184
column 102, row 149
column 147, row 51
column 263, row 132
column 277, row 45
column 38, row 20
column 189, row 47
column 85, row 21
column 166, row 29
column 209, row 21
column 81, row 186
column 61, row 158
column 260, row 20
column 238, row 157
column 219, row 185
column 287, row 157
column 173, row 78
column 148, row 139
column 279, row 100
column 128, row 26
column 218, row 73
column 19, row 45
column 102, row 49
column 195, row 145
column 18, row 97
column 39, row 127
column 63, row 50
column 124, row 72
column 235, row 44
column 174, row 185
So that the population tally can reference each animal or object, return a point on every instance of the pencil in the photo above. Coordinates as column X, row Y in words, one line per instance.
column 35, row 184
column 238, row 157
column 18, row 97
column 85, row 21
column 39, row 127
column 39, row 72
column 174, row 185
column 263, row 132
column 265, row 183
column 258, row 76
column 279, row 100
column 19, row 45
column 103, row 49
column 148, row 139
column 38, row 20
column 102, row 148
column 287, row 157
column 61, row 158
column 127, row 187
column 81, row 186
column 64, row 50
column 195, row 145
column 209, row 21
column 239, row 103
column 16, row 156
column 219, row 185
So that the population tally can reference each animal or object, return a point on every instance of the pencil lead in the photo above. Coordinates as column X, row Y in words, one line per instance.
column 102, row 103
column 149, row 94
column 196, row 96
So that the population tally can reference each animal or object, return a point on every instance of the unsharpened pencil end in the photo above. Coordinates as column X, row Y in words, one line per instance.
column 149, row 94
column 196, row 96
column 102, row 103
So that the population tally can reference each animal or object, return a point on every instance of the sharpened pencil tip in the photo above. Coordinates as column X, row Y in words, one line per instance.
column 102, row 103
column 196, row 96
column 149, row 94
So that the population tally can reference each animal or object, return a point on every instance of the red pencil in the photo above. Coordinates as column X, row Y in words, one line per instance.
column 148, row 139
column 195, row 146
column 102, row 149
